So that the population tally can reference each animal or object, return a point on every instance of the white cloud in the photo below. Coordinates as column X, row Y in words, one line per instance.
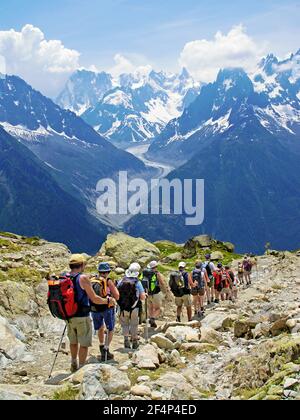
column 129, row 65
column 204, row 58
column 293, row 65
column 2, row 65
column 46, row 64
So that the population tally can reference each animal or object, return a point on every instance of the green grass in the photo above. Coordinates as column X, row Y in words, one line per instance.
column 34, row 241
column 66, row 394
column 154, row 375
column 9, row 246
column 8, row 235
column 21, row 275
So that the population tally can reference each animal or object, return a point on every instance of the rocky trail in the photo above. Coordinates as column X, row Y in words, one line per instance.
column 244, row 350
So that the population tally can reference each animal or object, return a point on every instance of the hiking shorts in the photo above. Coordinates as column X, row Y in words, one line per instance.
column 80, row 331
column 198, row 292
column 108, row 318
column 156, row 300
column 211, row 282
column 226, row 291
column 185, row 300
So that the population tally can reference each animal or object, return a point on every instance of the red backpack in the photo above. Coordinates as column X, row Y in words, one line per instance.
column 62, row 300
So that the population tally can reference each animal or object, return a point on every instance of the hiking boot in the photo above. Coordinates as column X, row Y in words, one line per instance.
column 178, row 319
column 127, row 344
column 74, row 367
column 106, row 356
column 135, row 344
column 153, row 323
column 217, row 301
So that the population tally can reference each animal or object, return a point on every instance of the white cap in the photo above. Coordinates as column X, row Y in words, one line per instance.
column 182, row 265
column 133, row 271
column 153, row 264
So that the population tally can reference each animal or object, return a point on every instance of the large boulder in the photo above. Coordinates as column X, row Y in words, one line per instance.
column 196, row 244
column 217, row 256
column 91, row 387
column 100, row 381
column 229, row 246
column 126, row 250
column 17, row 299
column 183, row 334
column 147, row 357
column 162, row 341
column 11, row 346
column 217, row 321
column 211, row 336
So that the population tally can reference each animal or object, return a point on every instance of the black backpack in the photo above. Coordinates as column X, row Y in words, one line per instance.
column 208, row 269
column 128, row 294
column 197, row 277
column 150, row 282
column 177, row 285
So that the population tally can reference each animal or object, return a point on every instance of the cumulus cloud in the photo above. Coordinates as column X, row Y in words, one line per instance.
column 204, row 58
column 129, row 65
column 46, row 64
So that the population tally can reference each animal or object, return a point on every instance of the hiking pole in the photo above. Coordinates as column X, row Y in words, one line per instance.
column 61, row 340
column 147, row 325
column 106, row 345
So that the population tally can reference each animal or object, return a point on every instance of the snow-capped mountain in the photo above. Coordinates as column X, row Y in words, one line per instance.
column 268, row 98
column 74, row 153
column 137, row 107
column 241, row 135
column 83, row 90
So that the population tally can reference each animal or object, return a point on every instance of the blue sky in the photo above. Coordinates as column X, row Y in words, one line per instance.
column 156, row 29
column 155, row 32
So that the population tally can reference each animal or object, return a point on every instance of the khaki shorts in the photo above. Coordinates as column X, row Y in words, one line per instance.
column 226, row 291
column 185, row 300
column 156, row 300
column 80, row 331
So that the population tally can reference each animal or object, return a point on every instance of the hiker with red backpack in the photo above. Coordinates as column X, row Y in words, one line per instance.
column 227, row 281
column 104, row 315
column 132, row 294
column 69, row 299
column 218, row 286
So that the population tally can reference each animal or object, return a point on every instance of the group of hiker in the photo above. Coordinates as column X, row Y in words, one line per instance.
column 90, row 303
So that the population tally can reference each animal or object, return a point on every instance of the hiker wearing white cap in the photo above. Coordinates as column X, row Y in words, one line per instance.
column 154, row 283
column 179, row 285
column 132, row 294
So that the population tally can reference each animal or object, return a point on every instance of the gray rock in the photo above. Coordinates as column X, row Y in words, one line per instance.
column 11, row 346
column 141, row 391
column 91, row 387
column 290, row 383
column 126, row 249
column 162, row 341
column 183, row 334
column 147, row 357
